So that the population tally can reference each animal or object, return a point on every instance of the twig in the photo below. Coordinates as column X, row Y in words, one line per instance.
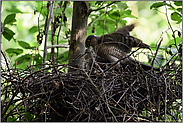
column 60, row 26
column 5, row 60
column 22, row 102
column 120, row 60
column 156, row 53
column 165, row 97
column 125, row 92
column 58, row 46
column 170, row 25
column 46, row 33
column 101, row 7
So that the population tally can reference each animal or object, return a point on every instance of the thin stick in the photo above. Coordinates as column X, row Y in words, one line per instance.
column 46, row 33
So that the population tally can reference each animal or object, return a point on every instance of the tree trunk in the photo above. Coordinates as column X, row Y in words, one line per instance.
column 78, row 34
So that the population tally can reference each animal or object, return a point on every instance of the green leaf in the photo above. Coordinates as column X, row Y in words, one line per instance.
column 33, row 29
column 175, row 16
column 178, row 3
column 172, row 41
column 98, row 2
column 28, row 116
column 127, row 13
column 156, row 5
column 10, row 119
column 22, row 65
column 8, row 33
column 24, row 58
column 14, row 10
column 122, row 6
column 38, row 59
column 24, row 44
column 16, row 51
column 180, row 10
column 9, row 19
column 113, row 14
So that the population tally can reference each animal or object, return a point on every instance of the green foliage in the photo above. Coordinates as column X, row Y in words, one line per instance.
column 175, row 39
column 10, row 119
column 10, row 19
column 176, row 15
column 8, row 33
column 12, row 51
column 14, row 9
column 28, row 117
column 156, row 5
column 178, row 3
column 115, row 18
column 33, row 29
column 116, row 15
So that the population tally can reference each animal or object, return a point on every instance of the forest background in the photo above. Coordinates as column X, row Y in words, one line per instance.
column 22, row 30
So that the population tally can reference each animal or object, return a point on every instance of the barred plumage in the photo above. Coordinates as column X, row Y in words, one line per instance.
column 116, row 45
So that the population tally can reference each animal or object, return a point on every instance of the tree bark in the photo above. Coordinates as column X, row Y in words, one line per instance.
column 78, row 34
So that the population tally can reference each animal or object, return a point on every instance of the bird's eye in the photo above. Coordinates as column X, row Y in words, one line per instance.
column 88, row 42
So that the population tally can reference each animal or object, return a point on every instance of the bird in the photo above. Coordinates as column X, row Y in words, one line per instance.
column 116, row 45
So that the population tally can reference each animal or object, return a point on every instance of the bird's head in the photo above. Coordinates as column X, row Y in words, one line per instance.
column 91, row 40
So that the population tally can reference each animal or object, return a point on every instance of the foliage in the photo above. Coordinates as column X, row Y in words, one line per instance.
column 113, row 17
column 176, row 15
column 174, row 44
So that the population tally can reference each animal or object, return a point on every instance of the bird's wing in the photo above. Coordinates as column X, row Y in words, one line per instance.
column 126, row 40
column 125, row 30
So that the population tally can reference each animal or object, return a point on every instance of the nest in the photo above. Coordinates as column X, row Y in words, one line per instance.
column 129, row 94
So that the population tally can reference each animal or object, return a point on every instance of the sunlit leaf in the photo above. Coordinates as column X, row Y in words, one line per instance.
column 14, row 10
column 98, row 2
column 127, row 13
column 8, row 33
column 178, row 3
column 33, row 29
column 16, row 51
column 24, row 58
column 180, row 10
column 9, row 19
column 122, row 6
column 156, row 5
column 172, row 41
column 24, row 44
column 175, row 16
column 113, row 14
column 22, row 65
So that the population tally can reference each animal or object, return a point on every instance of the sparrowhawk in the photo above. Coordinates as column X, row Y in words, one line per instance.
column 116, row 45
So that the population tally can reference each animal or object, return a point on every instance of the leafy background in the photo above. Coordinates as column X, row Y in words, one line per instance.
column 19, row 26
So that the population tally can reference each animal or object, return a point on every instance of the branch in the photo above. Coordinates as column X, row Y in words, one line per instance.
column 101, row 7
column 46, row 33
column 173, row 35
column 156, row 53
column 58, row 46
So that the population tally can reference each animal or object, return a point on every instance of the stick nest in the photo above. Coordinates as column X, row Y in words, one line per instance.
column 129, row 94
